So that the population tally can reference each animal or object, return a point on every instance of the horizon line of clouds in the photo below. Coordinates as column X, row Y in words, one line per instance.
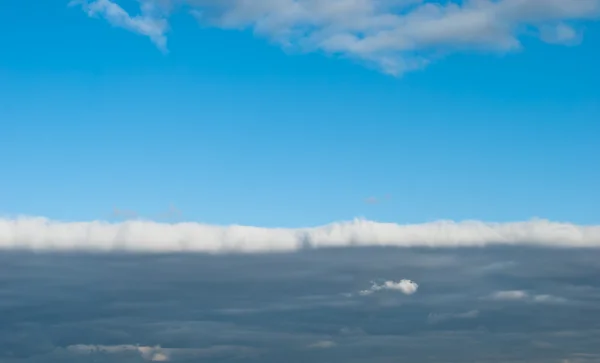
column 43, row 234
column 394, row 36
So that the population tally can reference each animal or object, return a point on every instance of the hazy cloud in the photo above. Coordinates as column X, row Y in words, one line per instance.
column 525, row 296
column 170, row 214
column 394, row 36
column 377, row 200
column 438, row 318
column 323, row 344
column 124, row 214
column 510, row 295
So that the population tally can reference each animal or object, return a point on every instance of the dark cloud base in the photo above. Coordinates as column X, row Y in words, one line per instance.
column 302, row 307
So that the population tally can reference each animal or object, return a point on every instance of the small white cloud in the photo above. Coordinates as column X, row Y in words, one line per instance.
column 407, row 287
column 510, row 295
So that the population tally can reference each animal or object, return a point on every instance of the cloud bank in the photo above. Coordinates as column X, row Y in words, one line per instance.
column 146, row 236
column 273, row 308
column 395, row 36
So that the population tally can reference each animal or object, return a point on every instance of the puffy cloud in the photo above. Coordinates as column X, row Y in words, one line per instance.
column 148, row 236
column 407, row 287
column 394, row 35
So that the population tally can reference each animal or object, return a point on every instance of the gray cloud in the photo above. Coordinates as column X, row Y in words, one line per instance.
column 395, row 36
column 323, row 344
column 72, row 307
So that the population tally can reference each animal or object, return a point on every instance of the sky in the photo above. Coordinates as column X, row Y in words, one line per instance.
column 357, row 181
column 299, row 114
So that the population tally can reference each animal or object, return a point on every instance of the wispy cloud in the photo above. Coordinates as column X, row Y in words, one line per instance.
column 149, row 22
column 407, row 287
column 438, row 318
column 520, row 295
column 510, row 295
column 395, row 36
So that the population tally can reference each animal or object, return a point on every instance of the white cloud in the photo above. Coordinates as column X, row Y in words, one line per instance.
column 394, row 35
column 147, row 236
column 407, row 287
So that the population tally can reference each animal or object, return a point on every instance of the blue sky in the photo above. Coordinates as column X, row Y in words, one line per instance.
column 231, row 127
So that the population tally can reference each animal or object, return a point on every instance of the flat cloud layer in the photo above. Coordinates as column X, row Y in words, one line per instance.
column 500, row 304
column 395, row 36
column 148, row 236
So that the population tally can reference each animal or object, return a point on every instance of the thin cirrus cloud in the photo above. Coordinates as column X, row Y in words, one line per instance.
column 33, row 233
column 395, row 36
